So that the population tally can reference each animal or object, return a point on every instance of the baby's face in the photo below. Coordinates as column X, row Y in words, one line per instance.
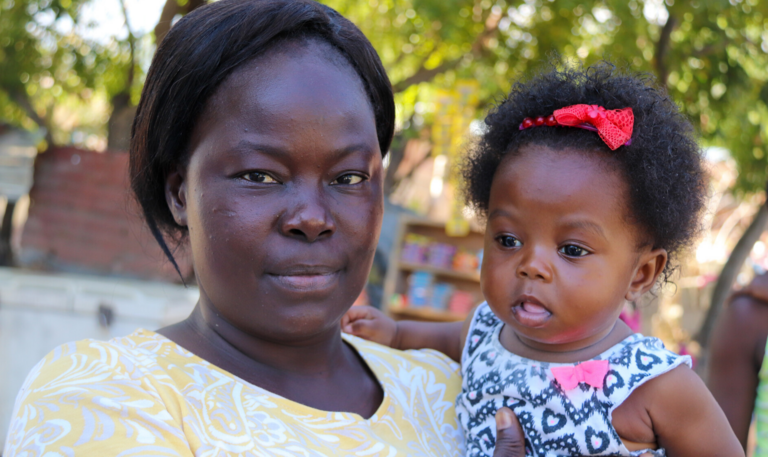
column 560, row 254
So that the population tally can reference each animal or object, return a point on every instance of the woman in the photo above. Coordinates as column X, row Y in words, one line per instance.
column 738, row 374
column 259, row 137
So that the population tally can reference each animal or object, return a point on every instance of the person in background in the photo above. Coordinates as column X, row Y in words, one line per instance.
column 738, row 374
column 259, row 138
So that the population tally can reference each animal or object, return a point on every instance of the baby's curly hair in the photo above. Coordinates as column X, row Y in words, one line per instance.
column 663, row 166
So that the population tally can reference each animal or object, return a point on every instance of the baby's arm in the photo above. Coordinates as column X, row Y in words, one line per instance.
column 371, row 324
column 685, row 417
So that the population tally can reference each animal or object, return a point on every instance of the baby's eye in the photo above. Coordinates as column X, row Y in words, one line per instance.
column 509, row 241
column 259, row 177
column 348, row 179
column 571, row 250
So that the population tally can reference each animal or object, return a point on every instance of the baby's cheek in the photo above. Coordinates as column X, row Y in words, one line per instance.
column 496, row 287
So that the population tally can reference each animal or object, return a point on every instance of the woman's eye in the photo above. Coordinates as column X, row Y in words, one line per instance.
column 572, row 250
column 509, row 241
column 348, row 179
column 259, row 177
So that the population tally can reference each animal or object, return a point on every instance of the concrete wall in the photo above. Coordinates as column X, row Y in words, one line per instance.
column 41, row 311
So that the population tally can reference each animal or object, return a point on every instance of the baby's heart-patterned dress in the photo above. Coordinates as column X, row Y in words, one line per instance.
column 565, row 408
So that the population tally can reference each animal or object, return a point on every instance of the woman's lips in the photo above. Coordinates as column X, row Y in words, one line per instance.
column 531, row 314
column 306, row 279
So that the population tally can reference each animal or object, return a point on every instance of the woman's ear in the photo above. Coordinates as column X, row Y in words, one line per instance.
column 176, row 196
column 649, row 267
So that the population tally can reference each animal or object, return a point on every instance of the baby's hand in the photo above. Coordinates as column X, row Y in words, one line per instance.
column 370, row 324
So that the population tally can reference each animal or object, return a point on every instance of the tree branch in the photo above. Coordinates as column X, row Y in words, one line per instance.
column 662, row 49
column 170, row 9
column 20, row 96
column 424, row 74
column 132, row 45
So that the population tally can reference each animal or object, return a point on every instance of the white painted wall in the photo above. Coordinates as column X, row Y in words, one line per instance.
column 41, row 311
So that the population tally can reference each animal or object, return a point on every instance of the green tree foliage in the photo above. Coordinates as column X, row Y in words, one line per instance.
column 50, row 76
column 711, row 54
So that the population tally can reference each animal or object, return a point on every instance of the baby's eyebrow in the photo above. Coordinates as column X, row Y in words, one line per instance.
column 498, row 212
column 585, row 225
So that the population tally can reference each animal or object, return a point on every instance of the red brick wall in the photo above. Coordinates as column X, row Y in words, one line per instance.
column 82, row 218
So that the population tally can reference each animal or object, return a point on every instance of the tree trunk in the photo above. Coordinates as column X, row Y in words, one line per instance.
column 730, row 271
column 123, row 111
column 120, row 122
column 6, row 253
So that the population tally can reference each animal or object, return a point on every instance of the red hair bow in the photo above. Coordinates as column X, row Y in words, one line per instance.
column 613, row 126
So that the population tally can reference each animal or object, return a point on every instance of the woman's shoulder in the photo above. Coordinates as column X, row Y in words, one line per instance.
column 81, row 391
column 137, row 356
column 411, row 370
column 427, row 359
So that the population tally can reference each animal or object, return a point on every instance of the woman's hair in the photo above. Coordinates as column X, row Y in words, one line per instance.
column 199, row 53
column 662, row 167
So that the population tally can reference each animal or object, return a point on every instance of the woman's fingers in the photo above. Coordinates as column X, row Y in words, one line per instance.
column 510, row 441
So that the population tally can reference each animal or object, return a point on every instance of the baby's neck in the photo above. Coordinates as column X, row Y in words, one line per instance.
column 563, row 353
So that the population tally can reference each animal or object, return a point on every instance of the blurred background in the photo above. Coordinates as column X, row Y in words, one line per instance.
column 77, row 262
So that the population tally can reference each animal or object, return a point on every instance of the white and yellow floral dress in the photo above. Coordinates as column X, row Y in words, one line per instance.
column 143, row 395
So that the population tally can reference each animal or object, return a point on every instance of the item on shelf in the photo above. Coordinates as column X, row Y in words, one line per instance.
column 398, row 301
column 479, row 260
column 441, row 295
column 362, row 299
column 461, row 302
column 440, row 255
column 415, row 248
column 465, row 261
column 419, row 285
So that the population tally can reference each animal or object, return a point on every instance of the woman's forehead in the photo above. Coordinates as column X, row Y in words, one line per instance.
column 287, row 91
column 289, row 101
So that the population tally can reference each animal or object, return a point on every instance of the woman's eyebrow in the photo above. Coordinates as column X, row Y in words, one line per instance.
column 585, row 225
column 249, row 146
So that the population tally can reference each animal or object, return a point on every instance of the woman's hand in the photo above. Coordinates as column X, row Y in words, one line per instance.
column 370, row 324
column 509, row 435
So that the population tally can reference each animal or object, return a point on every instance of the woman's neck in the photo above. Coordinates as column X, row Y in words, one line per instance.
column 321, row 371
column 223, row 344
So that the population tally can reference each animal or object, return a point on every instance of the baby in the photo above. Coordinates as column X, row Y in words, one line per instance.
column 590, row 181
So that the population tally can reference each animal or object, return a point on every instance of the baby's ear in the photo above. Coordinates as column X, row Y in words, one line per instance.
column 649, row 267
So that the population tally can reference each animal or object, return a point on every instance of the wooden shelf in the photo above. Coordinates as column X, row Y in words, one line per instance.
column 425, row 314
column 398, row 272
column 440, row 272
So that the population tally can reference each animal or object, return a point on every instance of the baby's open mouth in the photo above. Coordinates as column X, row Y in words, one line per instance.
column 531, row 314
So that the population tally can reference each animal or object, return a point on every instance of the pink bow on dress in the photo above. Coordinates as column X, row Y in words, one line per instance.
column 592, row 372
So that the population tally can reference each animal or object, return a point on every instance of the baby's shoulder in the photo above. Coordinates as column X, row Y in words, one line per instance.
column 645, row 355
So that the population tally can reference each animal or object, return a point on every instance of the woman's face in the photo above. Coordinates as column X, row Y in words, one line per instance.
column 282, row 194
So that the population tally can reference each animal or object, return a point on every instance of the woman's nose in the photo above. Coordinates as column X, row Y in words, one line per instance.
column 534, row 266
column 309, row 218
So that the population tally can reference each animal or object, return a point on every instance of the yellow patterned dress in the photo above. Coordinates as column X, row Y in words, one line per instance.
column 143, row 395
